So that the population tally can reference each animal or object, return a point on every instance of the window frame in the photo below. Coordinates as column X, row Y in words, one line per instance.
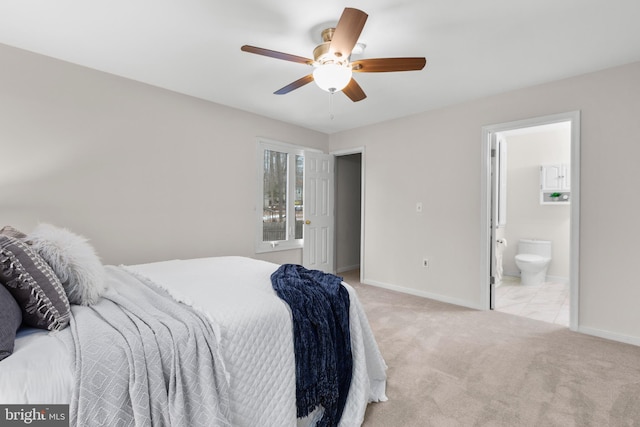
column 292, row 151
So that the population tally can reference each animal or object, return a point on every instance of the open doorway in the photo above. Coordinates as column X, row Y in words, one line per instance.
column 544, row 216
column 533, row 228
column 349, row 212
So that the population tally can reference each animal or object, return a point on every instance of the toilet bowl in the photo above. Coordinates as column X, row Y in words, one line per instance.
column 533, row 259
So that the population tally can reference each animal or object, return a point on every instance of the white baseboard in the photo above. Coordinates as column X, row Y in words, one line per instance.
column 627, row 339
column 423, row 294
column 610, row 335
column 348, row 268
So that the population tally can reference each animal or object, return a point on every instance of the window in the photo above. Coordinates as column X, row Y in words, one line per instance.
column 280, row 196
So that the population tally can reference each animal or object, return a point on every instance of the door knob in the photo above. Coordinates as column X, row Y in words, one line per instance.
column 307, row 222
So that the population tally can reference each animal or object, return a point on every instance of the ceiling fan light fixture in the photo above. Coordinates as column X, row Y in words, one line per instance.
column 332, row 61
column 332, row 77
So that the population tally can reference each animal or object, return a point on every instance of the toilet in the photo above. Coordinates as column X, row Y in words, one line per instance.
column 532, row 259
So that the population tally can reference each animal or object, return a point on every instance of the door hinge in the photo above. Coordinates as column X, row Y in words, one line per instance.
column 492, row 280
column 493, row 152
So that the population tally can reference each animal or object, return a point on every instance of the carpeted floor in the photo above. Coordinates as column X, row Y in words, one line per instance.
column 453, row 366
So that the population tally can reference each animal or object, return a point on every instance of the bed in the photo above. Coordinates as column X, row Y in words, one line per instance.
column 253, row 333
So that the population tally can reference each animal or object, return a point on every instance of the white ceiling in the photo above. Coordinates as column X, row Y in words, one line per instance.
column 474, row 48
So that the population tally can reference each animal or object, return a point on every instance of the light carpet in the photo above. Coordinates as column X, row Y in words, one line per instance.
column 453, row 366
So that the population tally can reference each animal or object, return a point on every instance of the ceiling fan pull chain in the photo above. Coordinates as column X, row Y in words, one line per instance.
column 331, row 105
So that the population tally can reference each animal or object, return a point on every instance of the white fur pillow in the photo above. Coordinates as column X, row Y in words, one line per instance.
column 73, row 260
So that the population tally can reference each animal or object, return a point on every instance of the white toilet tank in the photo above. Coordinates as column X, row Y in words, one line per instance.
column 535, row 247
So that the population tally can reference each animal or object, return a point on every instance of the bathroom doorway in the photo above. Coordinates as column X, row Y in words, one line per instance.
column 522, row 203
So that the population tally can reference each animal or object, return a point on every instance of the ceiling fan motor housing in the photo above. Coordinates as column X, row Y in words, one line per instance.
column 322, row 53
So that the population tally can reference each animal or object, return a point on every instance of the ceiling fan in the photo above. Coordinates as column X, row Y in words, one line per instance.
column 332, row 63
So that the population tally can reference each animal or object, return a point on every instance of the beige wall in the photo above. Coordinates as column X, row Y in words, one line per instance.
column 145, row 173
column 526, row 217
column 148, row 174
column 435, row 158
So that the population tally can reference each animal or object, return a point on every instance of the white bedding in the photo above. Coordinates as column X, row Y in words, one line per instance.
column 256, row 340
column 38, row 371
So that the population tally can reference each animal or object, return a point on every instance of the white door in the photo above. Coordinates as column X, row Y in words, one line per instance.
column 555, row 177
column 495, row 187
column 551, row 177
column 498, row 210
column 318, row 211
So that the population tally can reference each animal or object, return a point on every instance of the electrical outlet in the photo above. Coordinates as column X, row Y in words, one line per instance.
column 425, row 263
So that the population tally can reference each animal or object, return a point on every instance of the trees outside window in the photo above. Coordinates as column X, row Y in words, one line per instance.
column 281, row 196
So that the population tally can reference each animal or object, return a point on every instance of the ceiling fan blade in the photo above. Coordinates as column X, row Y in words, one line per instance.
column 295, row 85
column 347, row 32
column 277, row 55
column 383, row 65
column 354, row 91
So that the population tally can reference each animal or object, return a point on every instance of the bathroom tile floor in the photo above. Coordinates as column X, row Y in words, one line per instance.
column 548, row 302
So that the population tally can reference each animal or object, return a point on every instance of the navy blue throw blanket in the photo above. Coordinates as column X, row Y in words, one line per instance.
column 321, row 338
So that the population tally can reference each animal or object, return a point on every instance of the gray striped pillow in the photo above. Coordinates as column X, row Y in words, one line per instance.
column 10, row 320
column 34, row 285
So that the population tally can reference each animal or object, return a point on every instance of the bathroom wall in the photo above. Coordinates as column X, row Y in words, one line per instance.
column 526, row 217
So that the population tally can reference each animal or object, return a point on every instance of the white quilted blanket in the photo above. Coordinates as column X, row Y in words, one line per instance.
column 256, row 339
column 141, row 359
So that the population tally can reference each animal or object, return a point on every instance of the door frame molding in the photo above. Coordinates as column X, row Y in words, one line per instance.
column 485, row 205
column 348, row 151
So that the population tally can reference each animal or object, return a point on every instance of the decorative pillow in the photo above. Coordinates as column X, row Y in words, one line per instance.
column 8, row 230
column 74, row 261
column 33, row 285
column 10, row 320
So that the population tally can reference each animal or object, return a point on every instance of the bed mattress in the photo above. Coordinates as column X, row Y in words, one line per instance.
column 254, row 330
